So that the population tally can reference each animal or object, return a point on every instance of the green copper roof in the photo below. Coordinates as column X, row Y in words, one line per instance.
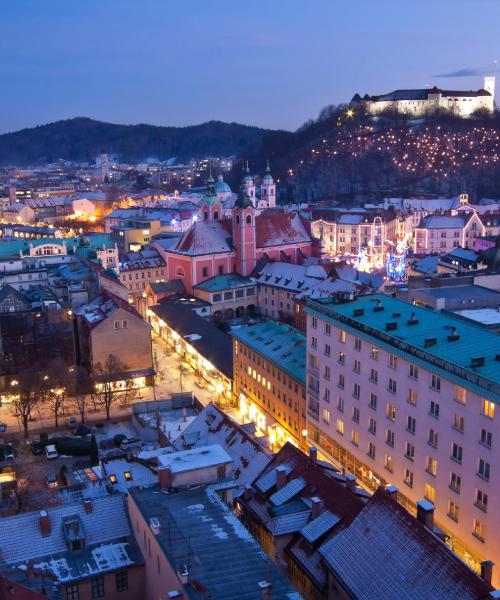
column 462, row 352
column 280, row 344
column 13, row 247
column 220, row 283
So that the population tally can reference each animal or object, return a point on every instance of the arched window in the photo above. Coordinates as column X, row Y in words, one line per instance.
column 179, row 271
column 249, row 219
column 237, row 219
column 205, row 215
column 216, row 215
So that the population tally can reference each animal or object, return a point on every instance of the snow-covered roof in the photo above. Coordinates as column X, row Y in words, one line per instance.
column 204, row 237
column 443, row 222
column 290, row 277
column 196, row 458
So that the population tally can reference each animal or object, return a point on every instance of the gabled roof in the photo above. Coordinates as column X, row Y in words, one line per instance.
column 205, row 237
column 7, row 290
column 278, row 228
column 386, row 553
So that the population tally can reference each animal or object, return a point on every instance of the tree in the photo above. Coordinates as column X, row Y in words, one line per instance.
column 105, row 376
column 30, row 389
column 55, row 388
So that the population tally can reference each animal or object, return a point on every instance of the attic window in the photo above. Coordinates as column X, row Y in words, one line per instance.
column 113, row 479
column 477, row 362
column 391, row 326
column 430, row 342
column 358, row 312
column 127, row 475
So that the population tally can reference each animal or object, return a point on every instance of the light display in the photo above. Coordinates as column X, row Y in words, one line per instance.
column 361, row 262
column 395, row 264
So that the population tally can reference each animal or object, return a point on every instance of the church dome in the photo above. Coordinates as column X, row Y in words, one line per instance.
column 221, row 187
column 268, row 178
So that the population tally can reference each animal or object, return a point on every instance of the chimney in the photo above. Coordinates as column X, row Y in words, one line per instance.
column 315, row 507
column 280, row 476
column 266, row 590
column 392, row 491
column 87, row 505
column 247, row 492
column 350, row 482
column 313, row 454
column 44, row 523
column 487, row 570
column 425, row 513
column 165, row 478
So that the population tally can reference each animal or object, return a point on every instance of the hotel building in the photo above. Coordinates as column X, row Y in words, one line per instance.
column 402, row 395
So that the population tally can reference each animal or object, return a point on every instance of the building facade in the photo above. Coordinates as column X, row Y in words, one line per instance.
column 402, row 395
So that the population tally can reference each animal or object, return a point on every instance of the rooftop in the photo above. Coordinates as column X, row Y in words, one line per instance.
column 424, row 336
column 224, row 282
column 280, row 344
column 196, row 458
column 229, row 564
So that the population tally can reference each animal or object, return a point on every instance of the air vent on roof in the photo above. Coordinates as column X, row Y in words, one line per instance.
column 358, row 312
column 478, row 361
column 430, row 342
column 413, row 320
column 497, row 357
column 378, row 307
column 453, row 337
column 391, row 326
column 396, row 314
column 154, row 524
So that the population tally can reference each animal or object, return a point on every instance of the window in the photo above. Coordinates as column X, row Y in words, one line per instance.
column 341, row 382
column 458, row 422
column 355, row 414
column 328, row 328
column 355, row 437
column 413, row 371
column 392, row 386
column 371, row 450
column 72, row 592
column 436, row 383
column 340, row 426
column 430, row 493
column 122, row 581
column 389, row 463
column 393, row 361
column 204, row 272
column 356, row 390
column 374, row 352
column 460, row 394
column 455, row 482
column 411, row 424
column 431, row 466
column 457, row 452
column 373, row 375
column 97, row 587
column 340, row 404
column 453, row 510
column 412, row 397
column 326, row 416
column 434, row 409
column 372, row 426
column 357, row 366
column 432, row 438
column 488, row 409
column 486, row 438
column 314, row 343
column 314, row 322
column 391, row 412
column 410, row 451
column 357, row 344
column 481, row 500
column 327, row 373
column 327, row 350
column 373, row 401
column 408, row 477
column 389, row 438
column 342, row 336
column 479, row 530
column 326, row 395
column 341, row 358
column 483, row 469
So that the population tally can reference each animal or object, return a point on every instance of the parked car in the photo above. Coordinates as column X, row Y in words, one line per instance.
column 36, row 448
column 83, row 431
column 72, row 422
column 51, row 452
column 51, row 480
column 9, row 452
column 72, row 446
column 131, row 444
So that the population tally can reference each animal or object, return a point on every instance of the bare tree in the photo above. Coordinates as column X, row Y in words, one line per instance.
column 30, row 388
column 81, row 391
column 56, row 383
column 105, row 377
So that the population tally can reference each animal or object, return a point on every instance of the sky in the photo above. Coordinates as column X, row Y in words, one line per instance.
column 270, row 63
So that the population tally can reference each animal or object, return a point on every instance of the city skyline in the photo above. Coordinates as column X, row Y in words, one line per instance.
column 173, row 63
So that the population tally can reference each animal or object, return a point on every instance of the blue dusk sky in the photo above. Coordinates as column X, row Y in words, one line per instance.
column 272, row 63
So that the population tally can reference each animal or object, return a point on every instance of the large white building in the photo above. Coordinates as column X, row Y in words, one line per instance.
column 403, row 395
column 421, row 102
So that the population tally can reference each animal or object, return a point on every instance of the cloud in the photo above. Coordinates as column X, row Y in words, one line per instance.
column 463, row 73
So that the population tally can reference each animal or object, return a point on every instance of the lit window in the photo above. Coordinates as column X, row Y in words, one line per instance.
column 453, row 510
column 393, row 361
column 460, row 394
column 430, row 493
column 412, row 397
column 458, row 422
column 342, row 336
column 113, row 479
column 326, row 416
column 432, row 439
column 488, row 409
column 128, row 475
column 479, row 529
column 340, row 426
column 408, row 477
column 431, row 466
column 355, row 438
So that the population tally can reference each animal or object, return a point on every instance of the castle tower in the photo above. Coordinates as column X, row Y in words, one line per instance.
column 210, row 204
column 268, row 189
column 249, row 184
column 489, row 85
column 244, row 237
column 103, row 165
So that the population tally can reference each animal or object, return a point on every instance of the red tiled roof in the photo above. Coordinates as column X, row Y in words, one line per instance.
column 280, row 228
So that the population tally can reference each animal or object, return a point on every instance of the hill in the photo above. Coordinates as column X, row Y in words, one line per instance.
column 82, row 139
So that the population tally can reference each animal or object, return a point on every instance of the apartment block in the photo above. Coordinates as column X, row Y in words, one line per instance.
column 402, row 395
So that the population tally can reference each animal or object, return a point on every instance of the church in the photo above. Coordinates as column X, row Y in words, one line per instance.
column 234, row 240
